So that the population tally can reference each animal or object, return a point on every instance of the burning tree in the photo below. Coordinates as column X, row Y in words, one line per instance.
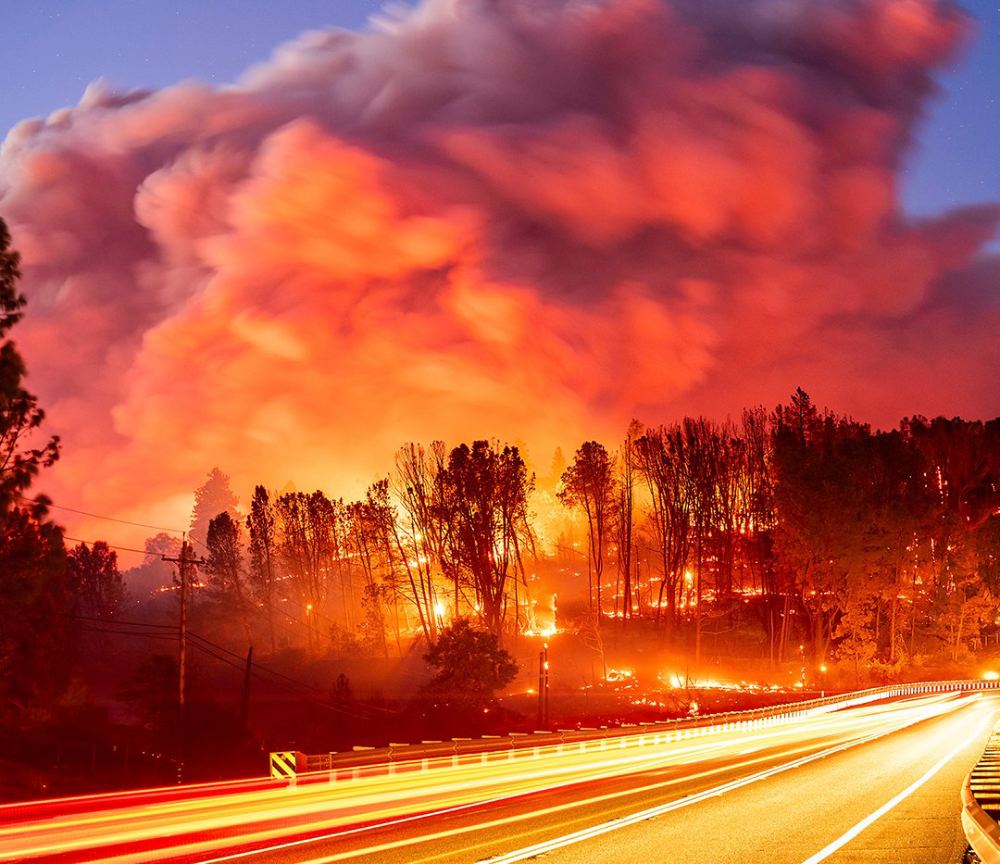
column 419, row 533
column 623, row 520
column 484, row 505
column 589, row 484
column 308, row 523
column 661, row 454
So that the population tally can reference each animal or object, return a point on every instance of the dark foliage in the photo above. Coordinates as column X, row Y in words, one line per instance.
column 471, row 666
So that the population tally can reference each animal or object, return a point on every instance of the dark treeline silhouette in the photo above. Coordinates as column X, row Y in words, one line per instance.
column 799, row 532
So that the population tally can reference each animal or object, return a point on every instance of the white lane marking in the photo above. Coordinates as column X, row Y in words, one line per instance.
column 641, row 816
column 851, row 833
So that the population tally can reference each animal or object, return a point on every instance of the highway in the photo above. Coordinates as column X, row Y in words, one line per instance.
column 872, row 783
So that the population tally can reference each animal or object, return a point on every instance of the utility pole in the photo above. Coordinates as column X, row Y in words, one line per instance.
column 543, row 685
column 245, row 701
column 183, row 561
column 546, row 649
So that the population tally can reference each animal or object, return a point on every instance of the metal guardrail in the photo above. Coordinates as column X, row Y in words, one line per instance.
column 399, row 757
column 981, row 803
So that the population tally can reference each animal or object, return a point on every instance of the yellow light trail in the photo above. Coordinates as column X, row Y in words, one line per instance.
column 223, row 819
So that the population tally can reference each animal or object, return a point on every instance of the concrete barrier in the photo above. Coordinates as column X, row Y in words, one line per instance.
column 981, row 803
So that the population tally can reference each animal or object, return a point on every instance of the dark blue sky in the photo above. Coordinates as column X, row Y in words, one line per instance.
column 54, row 48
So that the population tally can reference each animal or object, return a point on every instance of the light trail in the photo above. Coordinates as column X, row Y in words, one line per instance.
column 221, row 822
column 533, row 814
column 873, row 817
column 552, row 765
column 652, row 812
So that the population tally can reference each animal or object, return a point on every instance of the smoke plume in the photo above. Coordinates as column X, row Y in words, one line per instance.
column 531, row 219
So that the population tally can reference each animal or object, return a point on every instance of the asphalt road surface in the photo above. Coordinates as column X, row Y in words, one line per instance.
column 874, row 783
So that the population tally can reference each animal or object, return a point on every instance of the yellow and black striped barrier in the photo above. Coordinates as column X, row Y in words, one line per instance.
column 284, row 764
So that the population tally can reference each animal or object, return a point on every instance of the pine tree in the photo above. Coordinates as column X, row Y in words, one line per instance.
column 213, row 497
column 32, row 559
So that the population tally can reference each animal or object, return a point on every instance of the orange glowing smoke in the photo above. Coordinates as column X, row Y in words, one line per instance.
column 515, row 219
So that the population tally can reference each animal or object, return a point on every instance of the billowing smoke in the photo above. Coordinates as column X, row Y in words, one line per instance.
column 531, row 219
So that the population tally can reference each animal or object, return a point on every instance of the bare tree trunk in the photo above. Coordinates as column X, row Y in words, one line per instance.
column 878, row 622
column 697, row 607
column 892, row 626
column 958, row 631
column 770, row 635
column 783, row 641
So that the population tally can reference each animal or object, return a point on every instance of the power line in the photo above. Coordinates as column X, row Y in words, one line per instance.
column 213, row 649
column 115, row 519
column 196, row 540
column 117, row 621
column 262, row 668
column 164, row 636
column 258, row 666
column 110, row 545
column 90, row 627
column 105, row 518
column 361, row 714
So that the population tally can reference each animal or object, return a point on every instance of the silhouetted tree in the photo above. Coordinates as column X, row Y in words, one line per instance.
column 213, row 497
column 262, row 530
column 589, row 484
column 661, row 456
column 154, row 573
column 33, row 641
column 419, row 534
column 623, row 518
column 822, row 524
column 225, row 568
column 471, row 666
column 369, row 525
column 729, row 455
column 702, row 443
column 307, row 543
column 483, row 495
column 152, row 693
column 94, row 579
column 756, row 527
